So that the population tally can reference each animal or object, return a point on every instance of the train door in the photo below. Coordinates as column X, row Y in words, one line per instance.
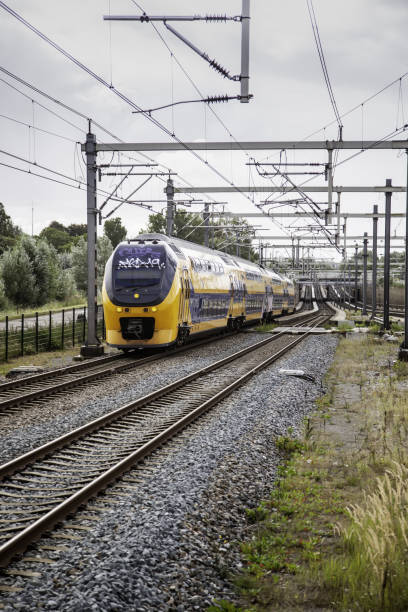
column 244, row 296
column 184, row 298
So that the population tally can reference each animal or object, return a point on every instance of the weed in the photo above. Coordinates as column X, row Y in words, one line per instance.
column 266, row 327
column 289, row 445
column 396, row 327
column 222, row 605
column 255, row 515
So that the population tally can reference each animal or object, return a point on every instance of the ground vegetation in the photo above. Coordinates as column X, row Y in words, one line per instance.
column 334, row 533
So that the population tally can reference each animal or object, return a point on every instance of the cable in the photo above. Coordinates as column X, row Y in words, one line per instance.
column 79, row 184
column 41, row 105
column 320, row 52
column 62, row 104
column 194, row 85
column 118, row 93
column 37, row 128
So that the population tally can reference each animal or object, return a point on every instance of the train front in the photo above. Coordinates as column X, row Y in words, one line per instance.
column 140, row 295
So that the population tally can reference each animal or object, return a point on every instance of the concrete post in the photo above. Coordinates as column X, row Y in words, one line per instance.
column 330, row 185
column 92, row 346
column 206, row 220
column 386, row 322
column 374, row 276
column 403, row 352
column 355, row 276
column 169, row 191
column 365, row 242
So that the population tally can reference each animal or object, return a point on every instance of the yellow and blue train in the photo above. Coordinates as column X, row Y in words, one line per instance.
column 159, row 291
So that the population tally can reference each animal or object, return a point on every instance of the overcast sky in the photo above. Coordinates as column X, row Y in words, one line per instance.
column 365, row 48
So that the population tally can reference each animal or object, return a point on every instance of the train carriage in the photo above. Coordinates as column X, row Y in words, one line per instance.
column 288, row 299
column 159, row 291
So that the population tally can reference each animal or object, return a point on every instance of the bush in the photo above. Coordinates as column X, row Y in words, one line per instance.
column 17, row 276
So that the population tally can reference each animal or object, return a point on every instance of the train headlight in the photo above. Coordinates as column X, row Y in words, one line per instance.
column 136, row 295
column 154, row 309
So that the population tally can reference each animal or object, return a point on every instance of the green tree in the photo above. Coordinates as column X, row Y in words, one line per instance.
column 17, row 276
column 66, row 286
column 77, row 229
column 79, row 261
column 115, row 231
column 60, row 239
column 104, row 251
column 45, row 267
column 189, row 226
column 79, row 264
column 8, row 231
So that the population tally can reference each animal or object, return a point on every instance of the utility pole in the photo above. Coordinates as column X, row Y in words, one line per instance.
column 338, row 218
column 365, row 242
column 297, row 253
column 329, row 178
column 169, row 191
column 355, row 277
column 92, row 346
column 374, row 277
column 403, row 352
column 388, row 194
column 345, row 239
column 206, row 216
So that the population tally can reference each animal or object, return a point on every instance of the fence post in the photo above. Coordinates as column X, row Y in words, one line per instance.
column 49, row 330
column 22, row 335
column 62, row 329
column 7, row 338
column 36, row 332
column 73, row 327
column 83, row 325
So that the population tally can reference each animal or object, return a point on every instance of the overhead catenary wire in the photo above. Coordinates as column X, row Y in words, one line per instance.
column 78, row 183
column 38, row 129
column 114, row 90
column 320, row 52
column 200, row 93
column 74, row 111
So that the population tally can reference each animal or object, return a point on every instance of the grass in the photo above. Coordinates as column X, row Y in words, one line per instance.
column 266, row 327
column 44, row 360
column 75, row 301
column 334, row 532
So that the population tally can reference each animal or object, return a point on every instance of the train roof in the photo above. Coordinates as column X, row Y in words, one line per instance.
column 234, row 259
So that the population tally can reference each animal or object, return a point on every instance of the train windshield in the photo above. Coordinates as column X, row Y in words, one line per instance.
column 139, row 266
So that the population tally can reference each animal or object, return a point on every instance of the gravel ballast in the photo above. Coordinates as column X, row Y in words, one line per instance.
column 34, row 426
column 170, row 543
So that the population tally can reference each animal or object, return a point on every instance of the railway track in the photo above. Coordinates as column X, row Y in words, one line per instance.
column 33, row 390
column 46, row 485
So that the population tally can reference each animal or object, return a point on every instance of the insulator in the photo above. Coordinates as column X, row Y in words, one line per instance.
column 216, row 18
column 215, row 99
column 219, row 69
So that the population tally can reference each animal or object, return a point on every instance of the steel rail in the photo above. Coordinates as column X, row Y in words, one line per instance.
column 19, row 542
column 99, row 371
column 12, row 466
